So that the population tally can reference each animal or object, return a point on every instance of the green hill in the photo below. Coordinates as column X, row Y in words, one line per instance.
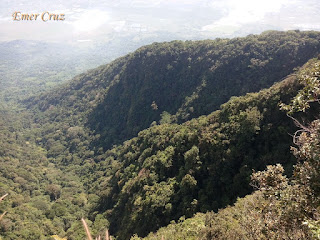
column 185, row 79
column 172, row 170
column 282, row 207
column 191, row 122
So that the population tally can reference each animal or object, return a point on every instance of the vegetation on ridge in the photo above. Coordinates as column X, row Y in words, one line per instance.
column 174, row 82
column 282, row 208
column 58, row 165
column 172, row 170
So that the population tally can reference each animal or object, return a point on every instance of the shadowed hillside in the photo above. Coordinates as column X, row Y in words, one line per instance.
column 177, row 81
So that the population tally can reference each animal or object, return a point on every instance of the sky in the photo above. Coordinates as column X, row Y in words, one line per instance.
column 93, row 20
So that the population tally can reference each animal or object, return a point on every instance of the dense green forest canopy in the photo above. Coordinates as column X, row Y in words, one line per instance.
column 172, row 170
column 183, row 145
column 282, row 207
column 176, row 81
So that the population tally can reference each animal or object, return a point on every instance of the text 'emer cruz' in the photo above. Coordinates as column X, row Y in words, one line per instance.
column 45, row 16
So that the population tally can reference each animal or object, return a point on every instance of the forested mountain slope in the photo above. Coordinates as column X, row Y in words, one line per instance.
column 184, row 79
column 282, row 207
column 177, row 162
column 172, row 170
column 42, row 200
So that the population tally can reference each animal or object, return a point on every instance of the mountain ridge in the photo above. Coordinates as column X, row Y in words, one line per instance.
column 125, row 97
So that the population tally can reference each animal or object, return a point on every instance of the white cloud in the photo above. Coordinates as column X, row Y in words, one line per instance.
column 118, row 26
column 216, row 18
column 84, row 40
column 144, row 3
column 182, row 1
column 244, row 12
column 307, row 26
column 90, row 20
column 5, row 19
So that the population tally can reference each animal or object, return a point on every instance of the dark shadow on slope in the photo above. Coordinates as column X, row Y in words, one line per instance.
column 168, row 74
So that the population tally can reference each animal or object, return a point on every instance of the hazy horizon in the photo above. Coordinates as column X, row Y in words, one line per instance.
column 87, row 21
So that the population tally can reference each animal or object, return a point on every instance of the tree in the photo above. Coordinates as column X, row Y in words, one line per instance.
column 54, row 191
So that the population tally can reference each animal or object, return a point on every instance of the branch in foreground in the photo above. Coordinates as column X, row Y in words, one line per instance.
column 4, row 213
column 108, row 237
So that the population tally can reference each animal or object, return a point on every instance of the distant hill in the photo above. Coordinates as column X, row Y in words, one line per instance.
column 29, row 67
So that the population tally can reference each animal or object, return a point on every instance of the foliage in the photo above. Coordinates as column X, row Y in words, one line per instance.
column 310, row 79
column 182, row 229
column 115, row 100
column 59, row 165
column 172, row 170
column 282, row 208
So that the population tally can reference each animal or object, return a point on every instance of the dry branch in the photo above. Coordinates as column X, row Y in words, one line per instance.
column 3, row 197
column 2, row 215
column 87, row 229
